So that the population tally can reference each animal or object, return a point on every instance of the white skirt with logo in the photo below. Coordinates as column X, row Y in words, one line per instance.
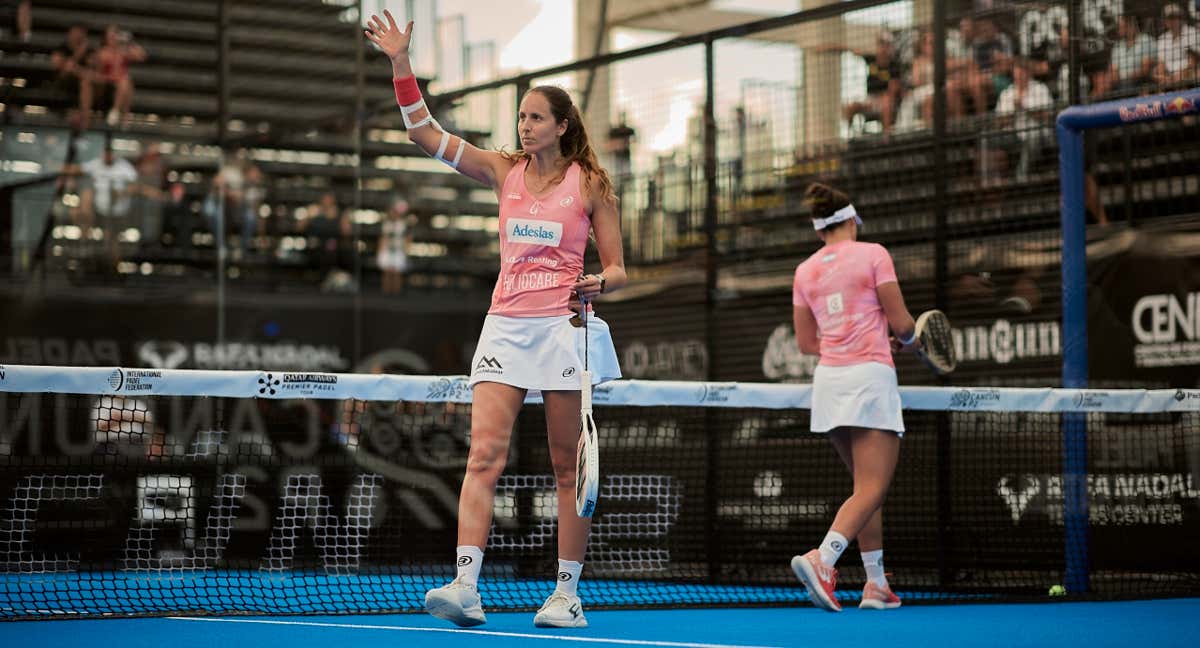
column 542, row 353
column 862, row 395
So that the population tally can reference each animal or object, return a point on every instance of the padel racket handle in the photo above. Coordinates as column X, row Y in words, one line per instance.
column 585, row 391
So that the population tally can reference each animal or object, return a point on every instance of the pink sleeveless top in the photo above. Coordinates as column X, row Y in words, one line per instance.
column 542, row 241
column 838, row 284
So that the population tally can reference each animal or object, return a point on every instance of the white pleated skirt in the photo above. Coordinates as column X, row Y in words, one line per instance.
column 542, row 353
column 862, row 395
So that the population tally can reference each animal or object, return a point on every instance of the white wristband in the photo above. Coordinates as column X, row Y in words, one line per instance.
column 405, row 111
column 910, row 340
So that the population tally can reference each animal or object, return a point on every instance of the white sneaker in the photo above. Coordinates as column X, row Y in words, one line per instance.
column 457, row 602
column 561, row 611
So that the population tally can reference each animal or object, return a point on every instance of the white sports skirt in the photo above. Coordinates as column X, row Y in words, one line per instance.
column 542, row 353
column 862, row 395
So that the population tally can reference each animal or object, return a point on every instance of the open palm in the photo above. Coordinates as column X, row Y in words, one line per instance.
column 389, row 37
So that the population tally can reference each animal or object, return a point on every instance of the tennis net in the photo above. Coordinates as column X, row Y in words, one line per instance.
column 138, row 491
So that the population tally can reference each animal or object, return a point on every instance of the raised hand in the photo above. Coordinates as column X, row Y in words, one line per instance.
column 389, row 37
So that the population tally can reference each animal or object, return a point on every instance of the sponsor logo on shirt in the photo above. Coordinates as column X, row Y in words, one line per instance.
column 537, row 232
column 513, row 196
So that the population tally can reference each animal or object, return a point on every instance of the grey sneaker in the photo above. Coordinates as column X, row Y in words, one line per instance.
column 561, row 611
column 457, row 602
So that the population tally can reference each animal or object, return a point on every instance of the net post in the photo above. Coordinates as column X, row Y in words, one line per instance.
column 1075, row 349
column 1070, row 126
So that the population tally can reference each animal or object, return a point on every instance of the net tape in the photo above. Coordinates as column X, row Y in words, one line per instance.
column 120, row 381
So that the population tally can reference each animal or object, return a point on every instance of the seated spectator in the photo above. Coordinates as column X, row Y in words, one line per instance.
column 1178, row 49
column 1133, row 59
column 1047, row 54
column 918, row 102
column 884, row 75
column 73, row 74
column 105, row 198
column 1025, row 107
column 991, row 55
column 114, row 85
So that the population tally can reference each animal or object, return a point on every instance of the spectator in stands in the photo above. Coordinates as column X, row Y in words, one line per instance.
column 255, row 194
column 884, row 76
column 73, row 74
column 1048, row 56
column 22, row 16
column 325, row 228
column 991, row 62
column 395, row 239
column 1178, row 49
column 114, row 85
column 105, row 198
column 228, row 191
column 1025, row 107
column 147, row 195
column 919, row 99
column 1133, row 59
column 179, row 221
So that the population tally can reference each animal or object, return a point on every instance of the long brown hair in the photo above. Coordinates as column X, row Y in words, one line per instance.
column 574, row 143
column 823, row 200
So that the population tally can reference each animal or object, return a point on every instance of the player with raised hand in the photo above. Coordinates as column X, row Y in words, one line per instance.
column 552, row 193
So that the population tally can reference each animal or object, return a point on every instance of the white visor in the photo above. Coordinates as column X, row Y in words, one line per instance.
column 845, row 213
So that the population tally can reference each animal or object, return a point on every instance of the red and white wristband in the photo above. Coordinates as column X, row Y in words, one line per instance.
column 408, row 96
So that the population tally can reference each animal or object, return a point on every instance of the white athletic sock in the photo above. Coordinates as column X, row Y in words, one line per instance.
column 470, row 560
column 832, row 547
column 873, row 562
column 568, row 576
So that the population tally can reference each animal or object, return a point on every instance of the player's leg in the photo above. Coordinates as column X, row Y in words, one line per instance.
column 563, row 607
column 494, row 409
column 871, row 456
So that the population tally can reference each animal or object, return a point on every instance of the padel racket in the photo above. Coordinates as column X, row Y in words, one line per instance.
column 587, row 457
column 937, row 344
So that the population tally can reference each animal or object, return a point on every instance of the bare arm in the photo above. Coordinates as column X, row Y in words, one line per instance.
column 487, row 167
column 606, row 224
column 135, row 53
column 807, row 334
column 899, row 319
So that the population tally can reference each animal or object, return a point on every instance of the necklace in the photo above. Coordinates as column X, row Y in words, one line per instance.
column 542, row 182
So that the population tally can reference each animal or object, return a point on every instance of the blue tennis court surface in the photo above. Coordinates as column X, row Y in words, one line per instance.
column 1170, row 622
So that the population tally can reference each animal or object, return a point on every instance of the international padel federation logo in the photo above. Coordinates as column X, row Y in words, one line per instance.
column 116, row 379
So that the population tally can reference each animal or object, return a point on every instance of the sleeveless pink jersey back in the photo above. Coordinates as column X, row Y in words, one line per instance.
column 542, row 241
column 838, row 284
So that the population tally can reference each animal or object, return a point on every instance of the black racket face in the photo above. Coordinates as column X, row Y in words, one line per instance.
column 937, row 343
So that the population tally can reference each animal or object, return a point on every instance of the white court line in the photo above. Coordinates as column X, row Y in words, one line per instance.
column 522, row 635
